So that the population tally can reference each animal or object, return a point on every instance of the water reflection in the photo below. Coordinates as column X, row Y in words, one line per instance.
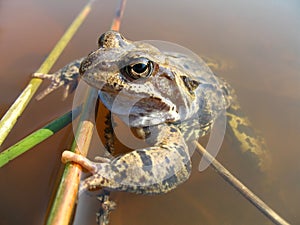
column 260, row 38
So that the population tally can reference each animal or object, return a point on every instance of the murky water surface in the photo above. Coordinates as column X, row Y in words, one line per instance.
column 257, row 42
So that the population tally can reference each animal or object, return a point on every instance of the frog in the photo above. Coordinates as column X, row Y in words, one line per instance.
column 168, row 98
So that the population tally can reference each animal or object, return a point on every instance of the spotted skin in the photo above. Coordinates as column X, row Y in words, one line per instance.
column 172, row 99
column 168, row 163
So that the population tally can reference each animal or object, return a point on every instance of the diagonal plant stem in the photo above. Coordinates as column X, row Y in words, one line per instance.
column 14, row 112
column 37, row 137
column 64, row 203
column 61, row 211
column 240, row 187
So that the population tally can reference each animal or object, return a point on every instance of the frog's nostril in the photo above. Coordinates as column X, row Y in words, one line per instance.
column 84, row 65
column 81, row 69
column 101, row 41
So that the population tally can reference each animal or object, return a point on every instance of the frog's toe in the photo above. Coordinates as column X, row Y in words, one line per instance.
column 56, row 82
column 68, row 156
column 70, row 87
column 100, row 159
column 53, row 86
column 42, row 75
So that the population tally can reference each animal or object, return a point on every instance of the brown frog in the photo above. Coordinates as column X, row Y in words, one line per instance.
column 169, row 98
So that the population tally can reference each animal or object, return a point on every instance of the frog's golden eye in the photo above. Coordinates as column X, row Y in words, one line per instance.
column 140, row 69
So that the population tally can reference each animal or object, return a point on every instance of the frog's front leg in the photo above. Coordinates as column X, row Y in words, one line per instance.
column 66, row 76
column 151, row 170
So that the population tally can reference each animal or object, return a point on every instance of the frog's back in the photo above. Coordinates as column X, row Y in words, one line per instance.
column 239, row 125
column 212, row 94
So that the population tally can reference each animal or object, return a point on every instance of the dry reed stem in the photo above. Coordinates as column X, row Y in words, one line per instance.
column 66, row 196
column 240, row 187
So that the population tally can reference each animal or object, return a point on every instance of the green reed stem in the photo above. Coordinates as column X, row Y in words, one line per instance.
column 37, row 137
column 11, row 116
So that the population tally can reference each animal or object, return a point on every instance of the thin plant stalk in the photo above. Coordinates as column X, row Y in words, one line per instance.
column 37, row 137
column 240, row 187
column 61, row 211
column 14, row 112
column 64, row 203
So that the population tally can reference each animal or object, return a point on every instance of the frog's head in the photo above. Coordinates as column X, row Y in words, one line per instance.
column 138, row 81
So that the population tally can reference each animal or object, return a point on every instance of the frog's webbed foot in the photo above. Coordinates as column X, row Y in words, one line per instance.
column 56, row 82
column 85, row 163
column 250, row 140
column 67, row 76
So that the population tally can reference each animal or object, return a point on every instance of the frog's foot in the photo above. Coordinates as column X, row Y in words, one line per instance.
column 53, row 86
column 92, row 167
column 56, row 82
column 67, row 76
column 251, row 142
column 106, row 206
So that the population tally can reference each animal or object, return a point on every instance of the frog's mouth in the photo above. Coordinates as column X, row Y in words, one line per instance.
column 139, row 112
column 151, row 111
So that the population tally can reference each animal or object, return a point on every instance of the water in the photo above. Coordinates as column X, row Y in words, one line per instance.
column 259, row 44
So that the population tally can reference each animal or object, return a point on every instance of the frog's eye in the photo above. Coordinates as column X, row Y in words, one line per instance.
column 140, row 69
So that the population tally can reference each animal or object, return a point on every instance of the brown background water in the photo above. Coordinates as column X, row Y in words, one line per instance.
column 260, row 41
